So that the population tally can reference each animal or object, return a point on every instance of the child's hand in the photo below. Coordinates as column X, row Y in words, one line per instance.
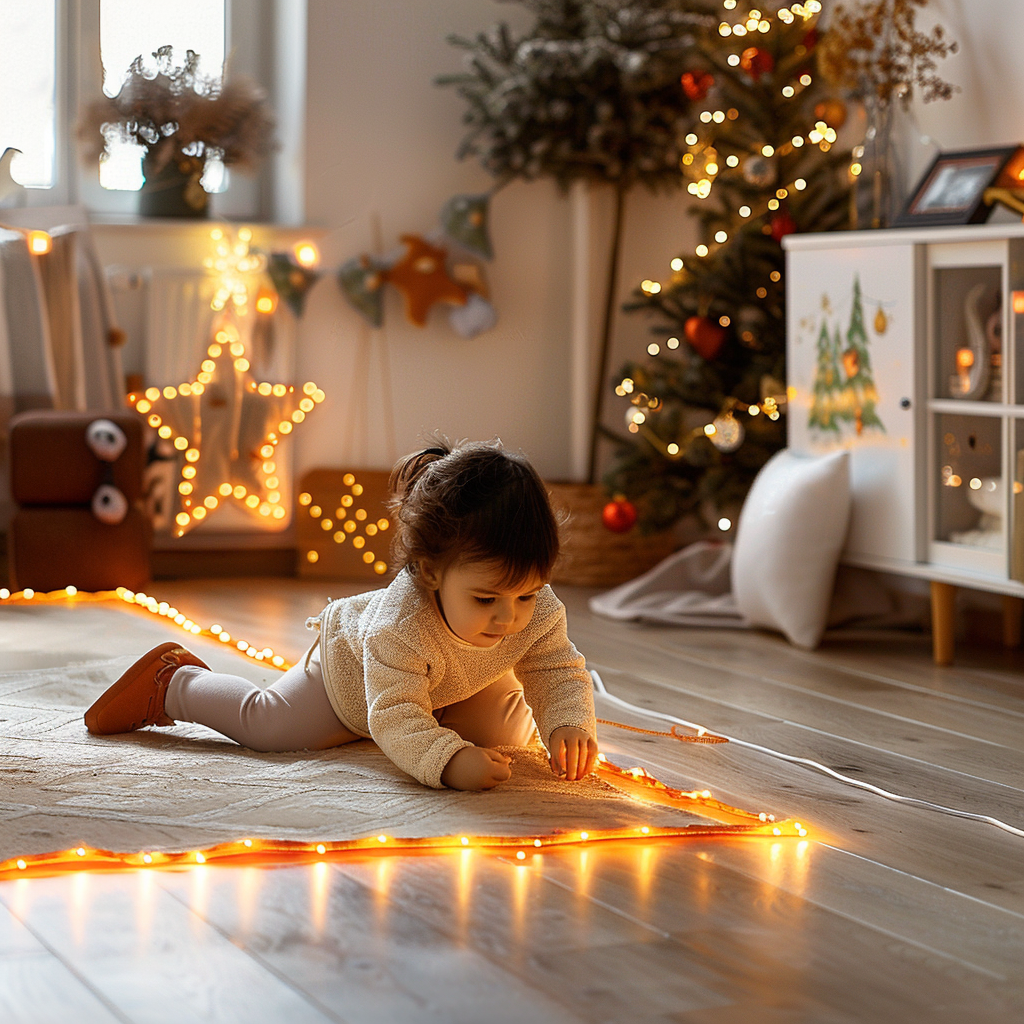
column 573, row 753
column 476, row 768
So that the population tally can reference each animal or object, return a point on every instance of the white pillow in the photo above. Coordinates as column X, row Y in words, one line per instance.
column 791, row 531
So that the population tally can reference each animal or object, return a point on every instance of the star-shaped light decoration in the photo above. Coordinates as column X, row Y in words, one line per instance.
column 422, row 277
column 227, row 425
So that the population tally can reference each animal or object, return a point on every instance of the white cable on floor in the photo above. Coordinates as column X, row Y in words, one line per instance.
column 600, row 687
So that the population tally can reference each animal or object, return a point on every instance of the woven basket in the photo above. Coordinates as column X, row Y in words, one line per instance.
column 593, row 556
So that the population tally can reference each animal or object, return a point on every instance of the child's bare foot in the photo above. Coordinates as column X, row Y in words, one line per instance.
column 137, row 698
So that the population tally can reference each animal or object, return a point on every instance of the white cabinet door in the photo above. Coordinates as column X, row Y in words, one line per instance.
column 851, row 345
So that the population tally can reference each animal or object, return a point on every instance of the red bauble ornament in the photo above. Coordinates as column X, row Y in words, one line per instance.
column 757, row 62
column 696, row 84
column 705, row 336
column 619, row 515
column 782, row 224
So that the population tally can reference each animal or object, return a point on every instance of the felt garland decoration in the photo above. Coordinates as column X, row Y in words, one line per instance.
column 441, row 267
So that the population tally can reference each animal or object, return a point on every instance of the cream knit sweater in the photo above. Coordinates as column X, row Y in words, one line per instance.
column 389, row 659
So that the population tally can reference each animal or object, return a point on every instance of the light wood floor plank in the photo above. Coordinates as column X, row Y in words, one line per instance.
column 358, row 953
column 39, row 989
column 151, row 957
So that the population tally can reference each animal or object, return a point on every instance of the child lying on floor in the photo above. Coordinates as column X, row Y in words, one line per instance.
column 463, row 652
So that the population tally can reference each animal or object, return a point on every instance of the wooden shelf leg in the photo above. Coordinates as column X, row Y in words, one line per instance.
column 1013, row 620
column 943, row 625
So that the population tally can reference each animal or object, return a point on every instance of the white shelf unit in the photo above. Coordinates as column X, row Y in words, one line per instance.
column 906, row 348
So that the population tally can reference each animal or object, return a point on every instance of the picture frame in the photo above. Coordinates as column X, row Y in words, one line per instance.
column 952, row 189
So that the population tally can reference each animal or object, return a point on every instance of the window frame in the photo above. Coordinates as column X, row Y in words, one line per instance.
column 264, row 38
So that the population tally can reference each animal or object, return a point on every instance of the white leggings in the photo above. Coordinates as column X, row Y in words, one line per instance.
column 295, row 714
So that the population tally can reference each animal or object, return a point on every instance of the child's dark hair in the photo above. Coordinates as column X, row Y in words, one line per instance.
column 472, row 500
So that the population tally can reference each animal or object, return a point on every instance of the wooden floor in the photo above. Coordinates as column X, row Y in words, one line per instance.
column 886, row 913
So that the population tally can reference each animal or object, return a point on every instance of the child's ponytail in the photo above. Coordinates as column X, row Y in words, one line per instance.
column 410, row 468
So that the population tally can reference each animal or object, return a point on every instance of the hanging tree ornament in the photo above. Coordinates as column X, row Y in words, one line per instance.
column 464, row 220
column 728, row 432
column 705, row 336
column 619, row 515
column 696, row 84
column 881, row 321
column 832, row 112
column 757, row 62
column 360, row 280
column 782, row 224
column 758, row 171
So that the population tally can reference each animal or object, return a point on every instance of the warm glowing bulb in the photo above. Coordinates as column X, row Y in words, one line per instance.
column 307, row 254
column 39, row 243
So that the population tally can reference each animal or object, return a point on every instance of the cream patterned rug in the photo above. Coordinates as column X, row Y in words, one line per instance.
column 187, row 788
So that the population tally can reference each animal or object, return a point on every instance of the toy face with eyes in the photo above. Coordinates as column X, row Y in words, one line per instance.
column 478, row 606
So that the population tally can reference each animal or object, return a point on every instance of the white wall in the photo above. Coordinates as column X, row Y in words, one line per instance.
column 381, row 142
column 989, row 72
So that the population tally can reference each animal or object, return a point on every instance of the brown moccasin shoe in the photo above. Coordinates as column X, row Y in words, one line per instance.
column 137, row 698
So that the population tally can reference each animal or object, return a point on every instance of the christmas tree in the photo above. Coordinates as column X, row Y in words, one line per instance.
column 706, row 407
column 826, row 381
column 858, row 395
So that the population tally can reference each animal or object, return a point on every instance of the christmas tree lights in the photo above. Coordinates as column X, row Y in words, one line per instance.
column 762, row 160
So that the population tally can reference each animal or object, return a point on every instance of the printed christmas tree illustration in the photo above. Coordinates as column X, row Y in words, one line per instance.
column 826, row 383
column 858, row 396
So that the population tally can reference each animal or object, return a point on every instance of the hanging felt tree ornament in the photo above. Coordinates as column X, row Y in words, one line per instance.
column 421, row 275
column 706, row 337
column 291, row 280
column 619, row 515
column 464, row 220
column 360, row 280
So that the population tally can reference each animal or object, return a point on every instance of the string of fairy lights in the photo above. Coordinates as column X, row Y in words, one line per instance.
column 635, row 781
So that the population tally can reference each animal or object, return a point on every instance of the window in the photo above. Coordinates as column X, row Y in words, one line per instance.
column 184, row 25
column 58, row 54
column 28, row 116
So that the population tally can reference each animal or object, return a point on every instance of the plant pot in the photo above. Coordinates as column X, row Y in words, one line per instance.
column 173, row 191
column 593, row 556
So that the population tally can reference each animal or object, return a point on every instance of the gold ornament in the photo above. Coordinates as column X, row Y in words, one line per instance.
column 881, row 321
